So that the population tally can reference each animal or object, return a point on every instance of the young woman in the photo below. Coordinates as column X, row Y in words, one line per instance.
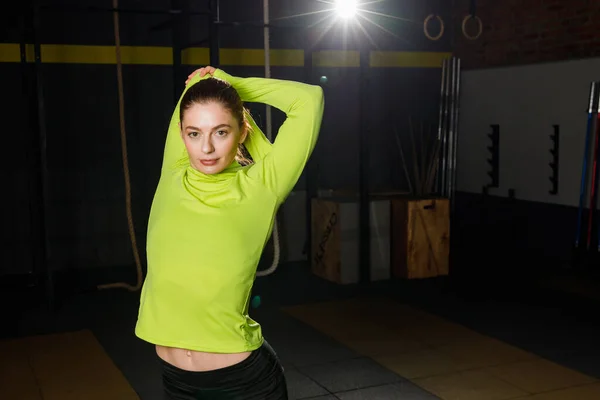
column 210, row 220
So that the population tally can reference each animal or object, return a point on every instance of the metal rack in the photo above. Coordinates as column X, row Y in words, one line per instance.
column 30, row 17
column 180, row 12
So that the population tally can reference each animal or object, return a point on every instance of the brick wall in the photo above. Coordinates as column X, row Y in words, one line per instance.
column 528, row 31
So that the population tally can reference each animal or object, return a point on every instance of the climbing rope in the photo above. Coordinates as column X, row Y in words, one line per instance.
column 134, row 245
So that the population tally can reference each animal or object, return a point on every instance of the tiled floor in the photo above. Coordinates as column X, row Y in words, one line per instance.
column 64, row 366
column 394, row 340
column 439, row 356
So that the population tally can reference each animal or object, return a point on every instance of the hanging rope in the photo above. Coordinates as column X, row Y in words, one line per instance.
column 472, row 15
column 134, row 246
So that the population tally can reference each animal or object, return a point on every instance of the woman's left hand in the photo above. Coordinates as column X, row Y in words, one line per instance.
column 202, row 71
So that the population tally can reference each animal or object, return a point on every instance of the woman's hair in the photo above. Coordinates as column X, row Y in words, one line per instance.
column 216, row 90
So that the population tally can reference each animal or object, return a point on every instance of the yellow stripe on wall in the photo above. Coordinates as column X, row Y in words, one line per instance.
column 9, row 52
column 195, row 56
column 75, row 54
column 80, row 54
column 336, row 58
column 407, row 59
column 247, row 57
column 156, row 55
column 256, row 57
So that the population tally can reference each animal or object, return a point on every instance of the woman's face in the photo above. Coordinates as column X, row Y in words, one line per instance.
column 211, row 136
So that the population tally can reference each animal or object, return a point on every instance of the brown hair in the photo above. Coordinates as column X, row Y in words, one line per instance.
column 219, row 91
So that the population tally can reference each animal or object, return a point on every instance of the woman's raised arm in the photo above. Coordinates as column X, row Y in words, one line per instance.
column 303, row 105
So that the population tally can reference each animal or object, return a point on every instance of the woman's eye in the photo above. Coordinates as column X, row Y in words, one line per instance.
column 221, row 133
column 193, row 134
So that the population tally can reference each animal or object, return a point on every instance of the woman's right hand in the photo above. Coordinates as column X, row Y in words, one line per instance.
column 202, row 71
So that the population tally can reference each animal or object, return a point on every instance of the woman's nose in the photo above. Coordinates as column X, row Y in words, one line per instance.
column 207, row 146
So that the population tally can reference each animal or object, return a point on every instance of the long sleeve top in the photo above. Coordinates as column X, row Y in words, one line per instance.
column 206, row 233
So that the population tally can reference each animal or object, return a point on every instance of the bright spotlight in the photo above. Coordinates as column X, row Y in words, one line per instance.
column 345, row 8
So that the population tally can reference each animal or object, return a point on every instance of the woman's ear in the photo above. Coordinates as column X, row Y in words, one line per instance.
column 244, row 133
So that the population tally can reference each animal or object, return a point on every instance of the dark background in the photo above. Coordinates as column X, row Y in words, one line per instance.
column 85, row 211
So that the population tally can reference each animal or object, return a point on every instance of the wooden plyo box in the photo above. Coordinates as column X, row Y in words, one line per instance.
column 420, row 237
column 335, row 239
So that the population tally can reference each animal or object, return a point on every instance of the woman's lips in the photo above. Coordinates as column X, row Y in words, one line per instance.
column 208, row 163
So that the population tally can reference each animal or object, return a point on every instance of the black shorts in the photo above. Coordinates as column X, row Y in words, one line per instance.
column 260, row 376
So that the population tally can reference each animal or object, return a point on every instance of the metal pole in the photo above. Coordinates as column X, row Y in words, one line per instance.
column 438, row 175
column 267, row 49
column 311, row 174
column 444, row 146
column 176, row 35
column 181, row 34
column 213, row 34
column 24, row 15
column 455, row 145
column 43, row 163
column 451, row 133
column 363, row 162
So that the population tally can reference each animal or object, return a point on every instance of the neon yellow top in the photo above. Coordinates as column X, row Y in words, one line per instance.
column 206, row 233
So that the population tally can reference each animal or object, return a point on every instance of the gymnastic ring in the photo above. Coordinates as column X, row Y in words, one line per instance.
column 464, row 27
column 429, row 18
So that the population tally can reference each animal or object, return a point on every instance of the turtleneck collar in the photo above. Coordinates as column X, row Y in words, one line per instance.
column 213, row 190
column 230, row 170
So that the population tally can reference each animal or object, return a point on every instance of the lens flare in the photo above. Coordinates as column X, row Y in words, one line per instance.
column 345, row 8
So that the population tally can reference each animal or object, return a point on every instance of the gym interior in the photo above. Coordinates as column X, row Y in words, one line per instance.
column 442, row 242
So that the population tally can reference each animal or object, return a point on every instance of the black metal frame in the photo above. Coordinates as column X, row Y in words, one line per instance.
column 494, row 159
column 180, row 25
column 213, row 33
column 35, row 119
column 176, row 10
column 363, row 162
column 33, row 89
column 47, row 270
column 181, row 32
column 31, row 18
column 555, row 151
column 312, row 167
